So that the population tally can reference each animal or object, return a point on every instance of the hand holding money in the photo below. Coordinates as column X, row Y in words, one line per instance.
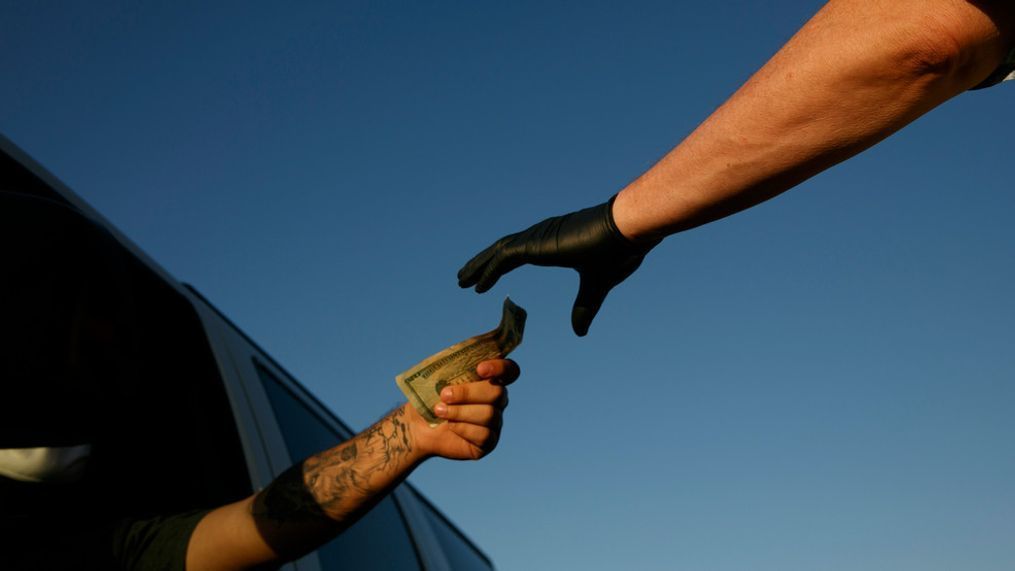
column 423, row 383
column 472, row 415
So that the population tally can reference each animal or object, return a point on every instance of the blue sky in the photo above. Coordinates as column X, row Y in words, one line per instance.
column 823, row 382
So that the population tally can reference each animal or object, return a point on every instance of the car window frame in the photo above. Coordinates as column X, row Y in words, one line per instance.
column 260, row 439
column 244, row 356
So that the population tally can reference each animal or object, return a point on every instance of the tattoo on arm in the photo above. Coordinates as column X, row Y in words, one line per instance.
column 340, row 483
column 287, row 499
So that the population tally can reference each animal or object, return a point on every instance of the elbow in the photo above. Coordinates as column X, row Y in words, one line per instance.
column 942, row 49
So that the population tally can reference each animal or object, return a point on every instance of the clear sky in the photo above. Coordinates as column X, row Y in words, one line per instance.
column 824, row 382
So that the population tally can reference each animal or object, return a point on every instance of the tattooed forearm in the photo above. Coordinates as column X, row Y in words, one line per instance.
column 342, row 482
column 312, row 502
column 287, row 500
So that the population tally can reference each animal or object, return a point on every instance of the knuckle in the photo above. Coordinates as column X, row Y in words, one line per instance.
column 506, row 242
column 488, row 416
column 485, row 437
column 492, row 367
column 463, row 393
column 452, row 413
column 476, row 452
column 497, row 393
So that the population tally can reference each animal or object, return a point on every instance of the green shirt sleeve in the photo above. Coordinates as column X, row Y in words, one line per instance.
column 1004, row 72
column 158, row 543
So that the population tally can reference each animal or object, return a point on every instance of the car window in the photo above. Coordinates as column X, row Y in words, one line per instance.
column 379, row 541
column 459, row 551
column 101, row 353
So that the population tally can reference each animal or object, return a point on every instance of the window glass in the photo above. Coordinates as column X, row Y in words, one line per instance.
column 379, row 541
column 460, row 553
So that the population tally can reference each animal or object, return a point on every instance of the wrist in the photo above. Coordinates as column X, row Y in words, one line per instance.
column 621, row 220
column 419, row 435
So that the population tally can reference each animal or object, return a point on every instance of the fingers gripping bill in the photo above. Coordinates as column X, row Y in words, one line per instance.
column 423, row 383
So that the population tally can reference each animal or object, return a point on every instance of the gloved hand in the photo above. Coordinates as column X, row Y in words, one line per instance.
column 587, row 240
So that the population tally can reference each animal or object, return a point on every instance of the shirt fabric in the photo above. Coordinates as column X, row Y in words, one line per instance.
column 1004, row 72
column 128, row 544
column 155, row 544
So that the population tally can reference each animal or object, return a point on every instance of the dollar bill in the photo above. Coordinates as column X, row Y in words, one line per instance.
column 422, row 384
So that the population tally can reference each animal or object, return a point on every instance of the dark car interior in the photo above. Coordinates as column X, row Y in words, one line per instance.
column 98, row 349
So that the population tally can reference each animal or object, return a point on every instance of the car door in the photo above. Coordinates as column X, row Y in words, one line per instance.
column 290, row 424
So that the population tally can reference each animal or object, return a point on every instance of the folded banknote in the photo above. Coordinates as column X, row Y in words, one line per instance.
column 422, row 384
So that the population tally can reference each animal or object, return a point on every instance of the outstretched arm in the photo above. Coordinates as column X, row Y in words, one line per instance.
column 858, row 71
column 317, row 499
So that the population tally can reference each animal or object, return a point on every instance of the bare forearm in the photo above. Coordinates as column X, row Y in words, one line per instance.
column 854, row 74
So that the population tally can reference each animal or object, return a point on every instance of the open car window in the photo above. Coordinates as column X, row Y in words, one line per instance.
column 379, row 541
column 100, row 350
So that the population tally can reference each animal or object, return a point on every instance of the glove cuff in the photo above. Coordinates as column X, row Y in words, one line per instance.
column 624, row 241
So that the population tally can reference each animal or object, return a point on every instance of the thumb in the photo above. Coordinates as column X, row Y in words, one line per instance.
column 591, row 294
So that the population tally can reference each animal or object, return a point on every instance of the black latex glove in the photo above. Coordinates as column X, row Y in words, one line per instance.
column 587, row 240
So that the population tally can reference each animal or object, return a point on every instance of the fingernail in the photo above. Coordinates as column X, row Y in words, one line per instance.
column 440, row 408
column 447, row 395
column 484, row 369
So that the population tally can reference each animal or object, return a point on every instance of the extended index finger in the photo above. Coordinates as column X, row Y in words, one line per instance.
column 473, row 269
column 488, row 266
